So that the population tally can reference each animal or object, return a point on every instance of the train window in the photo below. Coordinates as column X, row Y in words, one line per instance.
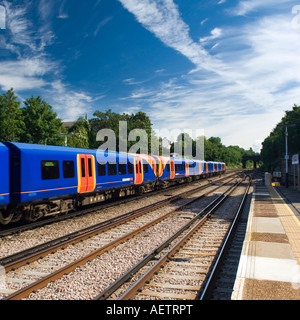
column 122, row 168
column 145, row 167
column 82, row 167
column 130, row 168
column 138, row 167
column 172, row 166
column 49, row 169
column 101, row 169
column 112, row 169
column 68, row 169
column 90, row 167
column 168, row 167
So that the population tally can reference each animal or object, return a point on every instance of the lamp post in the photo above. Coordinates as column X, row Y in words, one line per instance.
column 286, row 151
column 66, row 137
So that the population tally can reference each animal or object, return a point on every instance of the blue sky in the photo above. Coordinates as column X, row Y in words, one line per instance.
column 228, row 67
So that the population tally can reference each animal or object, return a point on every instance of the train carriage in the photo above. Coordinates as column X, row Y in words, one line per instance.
column 40, row 180
column 49, row 179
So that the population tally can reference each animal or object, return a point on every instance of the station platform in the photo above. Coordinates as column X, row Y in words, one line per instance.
column 269, row 267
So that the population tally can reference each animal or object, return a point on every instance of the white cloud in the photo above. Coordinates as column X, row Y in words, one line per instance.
column 203, row 21
column 2, row 17
column 24, row 74
column 247, row 6
column 62, row 14
column 240, row 93
column 215, row 33
column 70, row 104
column 27, row 71
column 101, row 24
column 23, row 38
column 163, row 20
column 33, row 69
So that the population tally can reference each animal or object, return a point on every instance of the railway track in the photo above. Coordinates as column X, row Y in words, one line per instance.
column 101, row 240
column 185, row 270
column 101, row 226
column 21, row 227
column 222, row 285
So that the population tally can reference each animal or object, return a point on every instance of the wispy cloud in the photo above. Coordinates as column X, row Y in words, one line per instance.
column 27, row 43
column 24, row 74
column 162, row 18
column 247, row 6
column 203, row 21
column 62, row 13
column 71, row 104
column 2, row 17
column 239, row 86
column 101, row 24
column 33, row 68
column 215, row 33
column 24, row 37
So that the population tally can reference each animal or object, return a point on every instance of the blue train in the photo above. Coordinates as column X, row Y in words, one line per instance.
column 39, row 180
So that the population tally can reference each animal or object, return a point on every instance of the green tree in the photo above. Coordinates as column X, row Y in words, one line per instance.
column 273, row 147
column 80, row 134
column 212, row 149
column 41, row 122
column 110, row 120
column 104, row 120
column 184, row 145
column 140, row 120
column 11, row 122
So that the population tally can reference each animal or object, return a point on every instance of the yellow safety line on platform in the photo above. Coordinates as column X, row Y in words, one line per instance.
column 289, row 209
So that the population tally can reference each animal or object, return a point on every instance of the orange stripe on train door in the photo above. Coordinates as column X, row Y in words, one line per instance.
column 138, row 171
column 86, row 173
column 172, row 169
column 187, row 171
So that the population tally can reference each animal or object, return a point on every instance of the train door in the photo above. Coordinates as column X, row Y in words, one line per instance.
column 154, row 166
column 86, row 173
column 172, row 169
column 138, row 171
column 200, row 168
column 187, row 171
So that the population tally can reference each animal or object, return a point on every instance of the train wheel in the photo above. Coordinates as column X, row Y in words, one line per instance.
column 36, row 213
column 140, row 190
column 17, row 216
column 5, row 218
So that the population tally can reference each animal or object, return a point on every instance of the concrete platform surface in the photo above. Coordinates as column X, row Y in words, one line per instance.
column 269, row 267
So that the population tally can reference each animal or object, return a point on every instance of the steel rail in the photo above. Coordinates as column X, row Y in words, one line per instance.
column 205, row 292
column 131, row 292
column 4, row 231
column 32, row 254
column 24, row 292
column 119, row 282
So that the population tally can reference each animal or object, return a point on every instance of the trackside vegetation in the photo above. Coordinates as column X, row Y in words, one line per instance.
column 34, row 121
column 273, row 150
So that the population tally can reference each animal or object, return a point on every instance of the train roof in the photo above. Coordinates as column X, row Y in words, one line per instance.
column 41, row 147
column 28, row 147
